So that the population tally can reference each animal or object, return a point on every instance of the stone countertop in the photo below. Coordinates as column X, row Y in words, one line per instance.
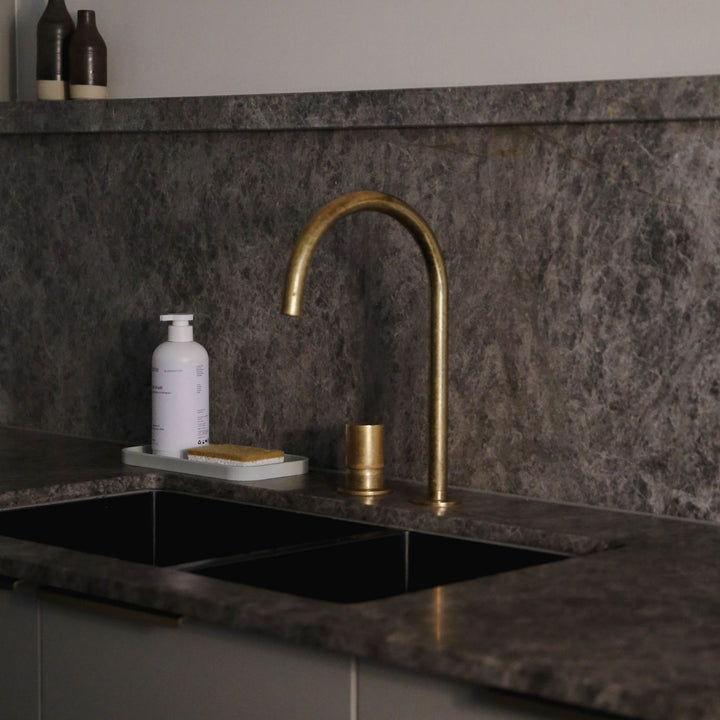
column 631, row 625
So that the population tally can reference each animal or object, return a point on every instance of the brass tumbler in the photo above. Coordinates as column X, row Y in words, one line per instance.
column 364, row 460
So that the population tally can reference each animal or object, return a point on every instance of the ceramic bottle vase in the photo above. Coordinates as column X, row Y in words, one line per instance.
column 54, row 30
column 88, row 60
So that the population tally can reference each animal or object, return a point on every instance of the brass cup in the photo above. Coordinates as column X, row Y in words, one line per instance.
column 364, row 460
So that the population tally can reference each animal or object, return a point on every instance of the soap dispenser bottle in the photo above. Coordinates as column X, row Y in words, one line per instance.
column 180, row 391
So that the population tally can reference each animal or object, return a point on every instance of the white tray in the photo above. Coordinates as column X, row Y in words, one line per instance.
column 141, row 456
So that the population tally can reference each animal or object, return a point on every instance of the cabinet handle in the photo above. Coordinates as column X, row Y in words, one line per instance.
column 111, row 608
column 9, row 583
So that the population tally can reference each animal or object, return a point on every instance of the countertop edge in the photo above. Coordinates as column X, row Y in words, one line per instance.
column 688, row 98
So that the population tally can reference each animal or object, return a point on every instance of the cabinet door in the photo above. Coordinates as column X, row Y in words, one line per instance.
column 18, row 654
column 99, row 667
column 391, row 694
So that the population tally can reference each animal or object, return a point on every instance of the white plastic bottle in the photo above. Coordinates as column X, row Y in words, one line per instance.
column 180, row 391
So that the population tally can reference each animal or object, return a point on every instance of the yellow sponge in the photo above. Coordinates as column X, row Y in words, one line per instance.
column 236, row 455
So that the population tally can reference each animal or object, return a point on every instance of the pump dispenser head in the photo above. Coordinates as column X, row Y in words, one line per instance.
column 180, row 330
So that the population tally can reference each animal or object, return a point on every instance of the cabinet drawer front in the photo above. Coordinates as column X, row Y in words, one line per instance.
column 99, row 667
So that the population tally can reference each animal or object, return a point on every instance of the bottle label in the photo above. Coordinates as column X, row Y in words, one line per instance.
column 181, row 414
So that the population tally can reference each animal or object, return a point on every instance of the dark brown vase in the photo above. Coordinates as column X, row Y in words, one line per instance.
column 54, row 30
column 88, row 59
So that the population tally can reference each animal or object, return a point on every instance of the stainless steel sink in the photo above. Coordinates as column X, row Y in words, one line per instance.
column 167, row 528
column 387, row 563
column 322, row 558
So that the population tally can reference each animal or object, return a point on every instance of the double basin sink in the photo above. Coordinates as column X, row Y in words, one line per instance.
column 317, row 557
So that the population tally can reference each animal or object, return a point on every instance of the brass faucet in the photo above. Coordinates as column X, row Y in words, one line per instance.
column 295, row 283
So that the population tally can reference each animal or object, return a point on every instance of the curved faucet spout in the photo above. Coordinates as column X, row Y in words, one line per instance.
column 297, row 270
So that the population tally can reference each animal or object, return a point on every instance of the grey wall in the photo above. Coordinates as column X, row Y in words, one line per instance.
column 582, row 261
column 168, row 48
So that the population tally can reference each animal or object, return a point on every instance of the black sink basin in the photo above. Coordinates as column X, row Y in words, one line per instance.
column 322, row 558
column 166, row 528
column 390, row 562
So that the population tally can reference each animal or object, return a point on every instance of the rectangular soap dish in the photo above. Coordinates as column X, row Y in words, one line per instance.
column 142, row 456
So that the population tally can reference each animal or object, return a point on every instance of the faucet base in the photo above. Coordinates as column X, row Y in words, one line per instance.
column 439, row 504
column 363, row 493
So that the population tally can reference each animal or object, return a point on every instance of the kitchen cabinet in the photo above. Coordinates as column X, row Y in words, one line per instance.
column 386, row 693
column 68, row 662
column 103, row 667
column 19, row 656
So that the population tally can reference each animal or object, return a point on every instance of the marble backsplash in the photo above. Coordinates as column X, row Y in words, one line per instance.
column 582, row 261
